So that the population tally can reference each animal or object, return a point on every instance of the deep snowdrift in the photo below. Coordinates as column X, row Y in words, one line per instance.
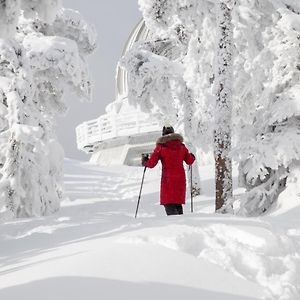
column 95, row 249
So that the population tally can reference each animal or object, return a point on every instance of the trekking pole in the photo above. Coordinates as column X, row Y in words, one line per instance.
column 138, row 203
column 192, row 204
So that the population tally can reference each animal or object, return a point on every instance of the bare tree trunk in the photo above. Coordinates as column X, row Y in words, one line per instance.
column 223, row 110
column 223, row 172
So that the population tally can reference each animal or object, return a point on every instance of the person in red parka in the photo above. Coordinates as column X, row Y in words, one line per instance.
column 171, row 151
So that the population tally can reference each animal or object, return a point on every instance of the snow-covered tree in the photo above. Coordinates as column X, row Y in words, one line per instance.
column 223, row 107
column 15, row 86
column 267, row 108
column 164, row 82
column 156, row 70
column 43, row 57
column 265, row 103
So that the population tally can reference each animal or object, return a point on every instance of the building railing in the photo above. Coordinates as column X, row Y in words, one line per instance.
column 111, row 126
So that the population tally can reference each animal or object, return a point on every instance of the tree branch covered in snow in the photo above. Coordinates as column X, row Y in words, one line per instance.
column 43, row 56
column 268, row 128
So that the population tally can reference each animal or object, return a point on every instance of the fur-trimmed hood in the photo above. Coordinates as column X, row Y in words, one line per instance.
column 169, row 137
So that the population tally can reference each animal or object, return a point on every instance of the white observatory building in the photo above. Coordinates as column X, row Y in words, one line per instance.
column 124, row 132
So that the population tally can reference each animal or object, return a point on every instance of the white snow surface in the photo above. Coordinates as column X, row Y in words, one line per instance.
column 93, row 248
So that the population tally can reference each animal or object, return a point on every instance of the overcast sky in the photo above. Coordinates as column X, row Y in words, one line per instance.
column 114, row 20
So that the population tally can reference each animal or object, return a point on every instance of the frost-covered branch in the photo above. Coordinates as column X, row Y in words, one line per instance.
column 44, row 55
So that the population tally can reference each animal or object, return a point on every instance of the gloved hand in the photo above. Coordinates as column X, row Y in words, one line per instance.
column 145, row 158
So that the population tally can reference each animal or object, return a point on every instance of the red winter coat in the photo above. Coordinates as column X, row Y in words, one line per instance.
column 171, row 152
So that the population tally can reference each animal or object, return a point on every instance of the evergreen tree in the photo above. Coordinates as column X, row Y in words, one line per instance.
column 42, row 57
column 160, row 70
column 259, row 113
column 267, row 122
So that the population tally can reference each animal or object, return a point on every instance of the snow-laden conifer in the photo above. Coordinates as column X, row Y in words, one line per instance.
column 45, row 56
column 265, row 102
column 268, row 124
column 168, row 84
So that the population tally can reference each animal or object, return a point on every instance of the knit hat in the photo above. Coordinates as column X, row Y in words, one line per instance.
column 167, row 130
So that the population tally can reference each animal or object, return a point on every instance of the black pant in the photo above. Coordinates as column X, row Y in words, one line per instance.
column 173, row 209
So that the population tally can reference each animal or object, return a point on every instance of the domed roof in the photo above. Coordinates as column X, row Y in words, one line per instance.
column 140, row 33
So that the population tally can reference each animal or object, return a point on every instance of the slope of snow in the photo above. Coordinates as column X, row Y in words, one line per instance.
column 93, row 248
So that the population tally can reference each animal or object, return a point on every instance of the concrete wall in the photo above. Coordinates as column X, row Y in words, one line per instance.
column 125, row 151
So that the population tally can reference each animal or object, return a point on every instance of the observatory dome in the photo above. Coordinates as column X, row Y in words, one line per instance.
column 140, row 33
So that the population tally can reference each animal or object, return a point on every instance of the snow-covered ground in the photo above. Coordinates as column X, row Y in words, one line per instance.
column 93, row 248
